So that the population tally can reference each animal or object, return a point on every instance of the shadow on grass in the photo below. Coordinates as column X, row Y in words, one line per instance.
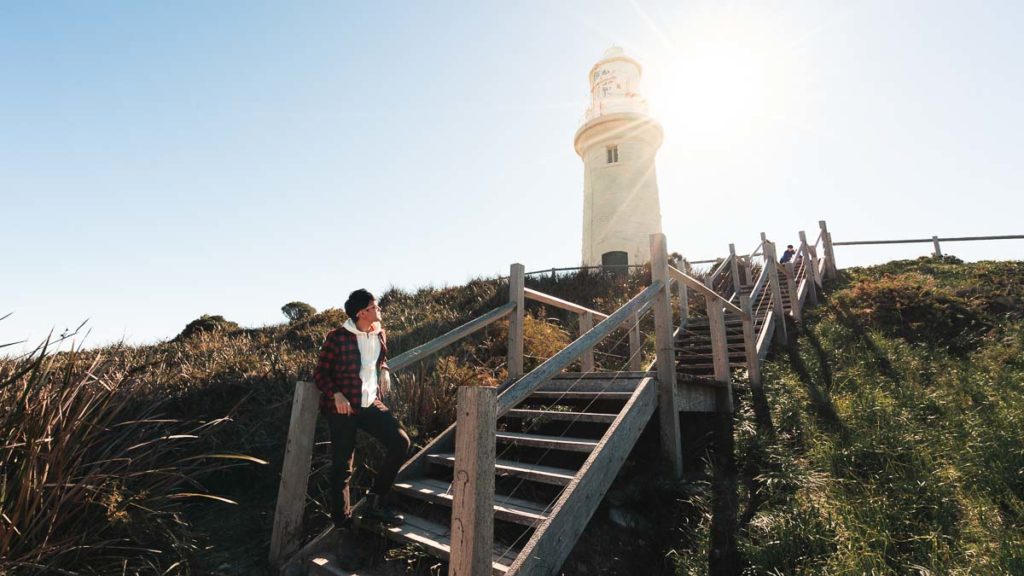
column 878, row 355
column 821, row 400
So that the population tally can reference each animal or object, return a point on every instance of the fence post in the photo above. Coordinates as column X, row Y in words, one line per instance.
column 516, row 285
column 472, row 529
column 772, row 262
column 810, row 274
column 668, row 413
column 938, row 250
column 298, row 455
column 830, row 254
column 720, row 351
column 793, row 288
column 684, row 303
column 750, row 342
column 586, row 324
column 734, row 269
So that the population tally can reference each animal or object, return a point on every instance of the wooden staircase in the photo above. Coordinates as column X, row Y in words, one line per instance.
column 558, row 451
column 560, row 438
column 694, row 346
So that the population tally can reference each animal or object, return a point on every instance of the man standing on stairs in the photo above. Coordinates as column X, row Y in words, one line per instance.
column 352, row 375
column 787, row 255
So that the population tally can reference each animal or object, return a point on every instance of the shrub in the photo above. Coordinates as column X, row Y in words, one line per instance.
column 297, row 311
column 914, row 307
column 206, row 323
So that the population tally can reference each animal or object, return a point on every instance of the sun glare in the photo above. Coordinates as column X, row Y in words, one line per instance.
column 723, row 81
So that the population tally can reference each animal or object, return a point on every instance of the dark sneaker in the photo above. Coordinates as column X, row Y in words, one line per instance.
column 347, row 549
column 377, row 509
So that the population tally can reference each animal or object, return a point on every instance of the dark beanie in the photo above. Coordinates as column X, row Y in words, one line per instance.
column 357, row 301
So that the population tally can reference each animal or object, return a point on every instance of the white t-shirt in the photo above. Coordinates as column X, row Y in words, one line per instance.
column 369, row 352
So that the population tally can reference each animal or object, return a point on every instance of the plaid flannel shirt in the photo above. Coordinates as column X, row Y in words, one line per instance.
column 337, row 369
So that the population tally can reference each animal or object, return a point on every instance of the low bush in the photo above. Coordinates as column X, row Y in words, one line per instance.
column 206, row 323
column 914, row 307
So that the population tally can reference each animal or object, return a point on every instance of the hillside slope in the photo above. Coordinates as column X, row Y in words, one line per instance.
column 895, row 449
column 897, row 443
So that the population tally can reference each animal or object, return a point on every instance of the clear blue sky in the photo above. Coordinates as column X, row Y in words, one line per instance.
column 162, row 160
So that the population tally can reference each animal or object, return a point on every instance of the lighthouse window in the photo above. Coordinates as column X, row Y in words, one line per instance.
column 613, row 154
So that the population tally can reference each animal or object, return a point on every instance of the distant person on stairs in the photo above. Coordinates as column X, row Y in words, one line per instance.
column 353, row 377
column 787, row 255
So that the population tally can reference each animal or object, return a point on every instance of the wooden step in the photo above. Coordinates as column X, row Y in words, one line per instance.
column 734, row 337
column 506, row 508
column 689, row 358
column 708, row 349
column 551, row 415
column 623, row 375
column 699, row 365
column 581, row 395
column 566, row 443
column 437, row 539
column 535, row 472
column 608, row 383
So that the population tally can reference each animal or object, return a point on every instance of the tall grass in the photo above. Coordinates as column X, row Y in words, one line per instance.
column 94, row 474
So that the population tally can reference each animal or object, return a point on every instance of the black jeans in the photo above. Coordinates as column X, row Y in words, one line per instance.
column 382, row 425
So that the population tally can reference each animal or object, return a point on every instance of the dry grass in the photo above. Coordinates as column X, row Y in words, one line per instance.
column 127, row 459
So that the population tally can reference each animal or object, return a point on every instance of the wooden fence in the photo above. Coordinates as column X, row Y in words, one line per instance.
column 934, row 240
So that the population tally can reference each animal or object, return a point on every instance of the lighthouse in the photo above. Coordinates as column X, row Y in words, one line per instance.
column 617, row 143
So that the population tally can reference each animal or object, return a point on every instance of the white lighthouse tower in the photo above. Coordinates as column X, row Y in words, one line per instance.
column 618, row 142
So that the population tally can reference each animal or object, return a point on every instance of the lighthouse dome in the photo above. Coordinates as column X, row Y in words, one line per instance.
column 615, row 85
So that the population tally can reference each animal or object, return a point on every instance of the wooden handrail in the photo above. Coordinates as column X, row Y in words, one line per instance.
column 928, row 240
column 759, row 285
column 721, row 267
column 423, row 350
column 757, row 251
column 526, row 385
column 699, row 287
column 559, row 303
column 763, row 337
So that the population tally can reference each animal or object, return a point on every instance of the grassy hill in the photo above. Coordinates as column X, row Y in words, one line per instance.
column 895, row 448
column 897, row 442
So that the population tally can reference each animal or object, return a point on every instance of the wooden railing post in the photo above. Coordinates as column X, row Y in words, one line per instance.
column 671, row 442
column 810, row 270
column 516, row 284
column 938, row 249
column 793, row 288
column 472, row 530
column 734, row 269
column 750, row 342
column 636, row 360
column 830, row 254
column 720, row 352
column 298, row 455
column 771, row 263
column 586, row 324
column 684, row 303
